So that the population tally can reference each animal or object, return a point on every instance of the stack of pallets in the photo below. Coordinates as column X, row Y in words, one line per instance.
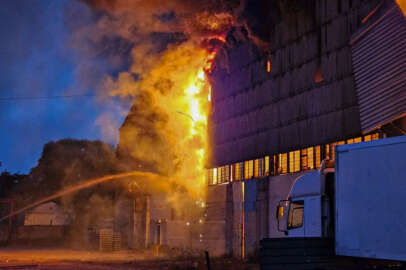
column 106, row 240
column 116, row 241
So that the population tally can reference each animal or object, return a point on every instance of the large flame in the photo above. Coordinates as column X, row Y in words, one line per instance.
column 402, row 5
column 175, row 114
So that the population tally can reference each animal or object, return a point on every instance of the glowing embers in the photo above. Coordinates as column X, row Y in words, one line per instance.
column 318, row 76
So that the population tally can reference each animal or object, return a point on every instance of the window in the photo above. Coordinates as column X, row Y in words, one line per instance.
column 375, row 136
column 209, row 176
column 238, row 171
column 358, row 140
column 295, row 219
column 219, row 175
column 266, row 165
column 283, row 163
column 354, row 140
column 274, row 165
column 303, row 162
column 241, row 170
column 310, row 158
column 248, row 169
column 294, row 161
column 227, row 173
column 214, row 176
column 317, row 151
column 231, row 170
column 367, row 138
column 257, row 168
column 327, row 152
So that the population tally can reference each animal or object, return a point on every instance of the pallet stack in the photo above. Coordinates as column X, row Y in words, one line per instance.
column 106, row 240
column 116, row 241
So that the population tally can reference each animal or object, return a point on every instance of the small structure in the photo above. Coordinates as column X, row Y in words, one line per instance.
column 44, row 225
column 47, row 214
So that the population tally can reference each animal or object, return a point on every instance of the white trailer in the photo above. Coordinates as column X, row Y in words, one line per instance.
column 370, row 208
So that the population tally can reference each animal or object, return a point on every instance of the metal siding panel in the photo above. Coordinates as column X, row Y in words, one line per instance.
column 379, row 65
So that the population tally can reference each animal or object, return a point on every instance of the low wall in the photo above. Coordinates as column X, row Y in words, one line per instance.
column 40, row 235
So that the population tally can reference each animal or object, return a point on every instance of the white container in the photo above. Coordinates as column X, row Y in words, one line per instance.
column 370, row 210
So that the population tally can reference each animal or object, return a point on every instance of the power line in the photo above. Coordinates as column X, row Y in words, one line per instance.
column 46, row 97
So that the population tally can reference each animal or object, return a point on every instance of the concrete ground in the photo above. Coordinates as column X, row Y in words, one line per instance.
column 47, row 259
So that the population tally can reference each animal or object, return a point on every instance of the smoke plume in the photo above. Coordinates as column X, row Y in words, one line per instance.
column 169, row 46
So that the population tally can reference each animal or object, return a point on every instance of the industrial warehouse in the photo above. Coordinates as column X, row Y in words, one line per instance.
column 333, row 74
column 276, row 116
column 268, row 133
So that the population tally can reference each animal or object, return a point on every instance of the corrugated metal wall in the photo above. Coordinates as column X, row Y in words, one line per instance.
column 257, row 113
column 379, row 62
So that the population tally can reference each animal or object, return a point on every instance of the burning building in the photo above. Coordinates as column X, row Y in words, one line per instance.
column 335, row 74
column 286, row 87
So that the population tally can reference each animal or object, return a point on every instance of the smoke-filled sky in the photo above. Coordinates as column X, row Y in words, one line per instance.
column 37, row 59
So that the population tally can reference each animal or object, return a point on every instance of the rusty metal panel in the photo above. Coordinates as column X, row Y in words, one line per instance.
column 379, row 63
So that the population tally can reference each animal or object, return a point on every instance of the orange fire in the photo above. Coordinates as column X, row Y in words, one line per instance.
column 402, row 5
column 178, row 92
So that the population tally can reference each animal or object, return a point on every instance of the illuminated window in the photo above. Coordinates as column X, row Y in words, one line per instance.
column 227, row 173
column 268, row 66
column 238, row 171
column 317, row 152
column 209, row 176
column 258, row 167
column 327, row 153
column 214, row 176
column 332, row 148
column 310, row 158
column 304, row 163
column 283, row 163
column 367, row 138
column 219, row 175
column 235, row 172
column 358, row 140
column 266, row 165
column 375, row 136
column 231, row 173
column 248, row 169
column 332, row 151
column 294, row 161
column 350, row 141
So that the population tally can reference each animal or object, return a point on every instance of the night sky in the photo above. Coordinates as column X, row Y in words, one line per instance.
column 38, row 60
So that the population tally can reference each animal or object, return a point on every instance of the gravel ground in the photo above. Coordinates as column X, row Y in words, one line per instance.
column 48, row 259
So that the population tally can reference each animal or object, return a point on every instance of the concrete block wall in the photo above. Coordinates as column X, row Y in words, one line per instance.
column 240, row 214
column 215, row 224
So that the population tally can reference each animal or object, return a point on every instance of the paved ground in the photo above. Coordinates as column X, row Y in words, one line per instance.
column 47, row 259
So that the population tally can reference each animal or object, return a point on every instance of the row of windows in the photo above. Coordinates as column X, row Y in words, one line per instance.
column 295, row 161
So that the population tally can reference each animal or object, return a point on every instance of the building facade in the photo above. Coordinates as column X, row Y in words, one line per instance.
column 334, row 73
